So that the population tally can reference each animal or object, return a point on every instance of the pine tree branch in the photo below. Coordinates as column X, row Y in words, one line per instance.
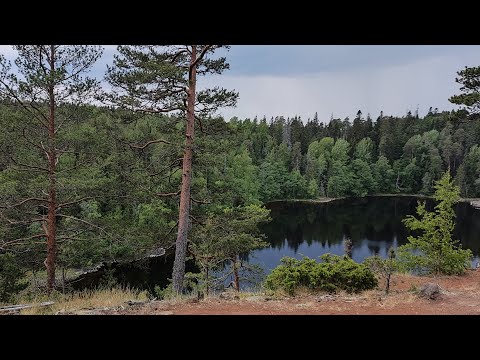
column 19, row 240
column 41, row 148
column 141, row 147
column 38, row 168
column 169, row 194
column 166, row 168
column 195, row 220
column 24, row 201
column 200, row 201
column 62, row 205
column 11, row 93
column 180, row 52
column 200, row 57
column 84, row 222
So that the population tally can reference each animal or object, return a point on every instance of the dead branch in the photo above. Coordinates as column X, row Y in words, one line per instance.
column 200, row 201
column 37, row 168
column 200, row 57
column 166, row 168
column 15, row 308
column 141, row 147
column 24, row 201
column 168, row 233
column 41, row 148
column 84, row 222
column 16, row 241
column 195, row 220
column 62, row 205
column 169, row 194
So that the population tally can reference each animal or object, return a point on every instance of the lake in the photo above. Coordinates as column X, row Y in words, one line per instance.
column 301, row 228
column 373, row 224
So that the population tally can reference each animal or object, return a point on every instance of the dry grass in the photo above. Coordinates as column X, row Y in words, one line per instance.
column 91, row 299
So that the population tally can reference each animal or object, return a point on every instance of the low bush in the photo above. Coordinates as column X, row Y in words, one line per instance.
column 333, row 274
column 11, row 278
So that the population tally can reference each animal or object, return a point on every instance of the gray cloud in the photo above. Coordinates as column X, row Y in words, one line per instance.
column 300, row 80
column 288, row 60
column 395, row 89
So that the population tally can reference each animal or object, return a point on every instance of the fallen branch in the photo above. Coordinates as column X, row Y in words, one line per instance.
column 25, row 306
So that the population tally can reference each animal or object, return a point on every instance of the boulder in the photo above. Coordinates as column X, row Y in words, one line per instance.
column 229, row 295
column 430, row 291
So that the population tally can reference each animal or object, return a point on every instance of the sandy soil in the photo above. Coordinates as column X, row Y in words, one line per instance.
column 460, row 295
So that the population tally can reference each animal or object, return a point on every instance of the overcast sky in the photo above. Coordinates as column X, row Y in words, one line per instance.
column 294, row 80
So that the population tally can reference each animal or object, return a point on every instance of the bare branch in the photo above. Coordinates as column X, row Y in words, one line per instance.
column 41, row 148
column 201, row 125
column 195, row 220
column 19, row 240
column 167, row 167
column 169, row 194
column 200, row 201
column 74, row 202
column 21, row 222
column 38, row 168
column 200, row 57
column 170, row 231
column 25, row 201
column 174, row 57
column 141, row 147
column 84, row 222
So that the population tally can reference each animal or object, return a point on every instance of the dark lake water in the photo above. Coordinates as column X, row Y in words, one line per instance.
column 372, row 223
column 303, row 229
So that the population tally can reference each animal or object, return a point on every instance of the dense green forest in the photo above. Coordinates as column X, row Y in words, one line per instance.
column 119, row 173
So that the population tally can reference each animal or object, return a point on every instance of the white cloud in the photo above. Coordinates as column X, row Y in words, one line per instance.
column 7, row 51
column 393, row 89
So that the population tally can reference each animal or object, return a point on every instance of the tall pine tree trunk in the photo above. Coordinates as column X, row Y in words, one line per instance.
column 184, row 213
column 52, row 193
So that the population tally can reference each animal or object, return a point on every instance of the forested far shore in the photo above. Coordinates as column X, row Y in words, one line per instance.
column 124, row 193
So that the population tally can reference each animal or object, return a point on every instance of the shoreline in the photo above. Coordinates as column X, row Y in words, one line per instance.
column 474, row 202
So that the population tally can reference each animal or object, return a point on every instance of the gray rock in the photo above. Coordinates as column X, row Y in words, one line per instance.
column 255, row 298
column 136, row 302
column 430, row 291
column 229, row 295
column 327, row 297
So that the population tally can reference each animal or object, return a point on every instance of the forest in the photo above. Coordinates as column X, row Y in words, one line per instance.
column 89, row 175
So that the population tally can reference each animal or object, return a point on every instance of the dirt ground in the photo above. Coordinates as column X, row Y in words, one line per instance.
column 459, row 295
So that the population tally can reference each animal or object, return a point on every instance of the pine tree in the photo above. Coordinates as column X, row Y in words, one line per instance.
column 163, row 79
column 48, row 87
column 434, row 250
column 469, row 78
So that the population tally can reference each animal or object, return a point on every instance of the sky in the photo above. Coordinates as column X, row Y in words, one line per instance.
column 289, row 80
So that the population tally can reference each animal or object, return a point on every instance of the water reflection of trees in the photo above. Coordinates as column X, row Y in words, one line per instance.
column 376, row 220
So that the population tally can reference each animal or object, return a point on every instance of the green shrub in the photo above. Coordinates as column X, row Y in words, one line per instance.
column 11, row 278
column 434, row 251
column 333, row 274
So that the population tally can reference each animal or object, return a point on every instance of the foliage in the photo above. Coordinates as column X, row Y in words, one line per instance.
column 333, row 274
column 469, row 78
column 383, row 267
column 434, row 251
column 12, row 278
column 223, row 238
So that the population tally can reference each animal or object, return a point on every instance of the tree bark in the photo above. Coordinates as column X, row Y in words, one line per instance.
column 52, row 193
column 236, row 278
column 184, row 211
